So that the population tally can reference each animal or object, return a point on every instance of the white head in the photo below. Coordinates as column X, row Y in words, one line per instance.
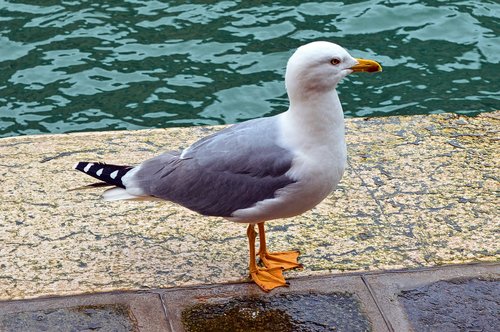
column 318, row 67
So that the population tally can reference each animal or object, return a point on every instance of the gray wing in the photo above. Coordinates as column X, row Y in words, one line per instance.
column 229, row 170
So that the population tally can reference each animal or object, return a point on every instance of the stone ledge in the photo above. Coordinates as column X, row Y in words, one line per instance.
column 101, row 312
column 457, row 297
column 419, row 191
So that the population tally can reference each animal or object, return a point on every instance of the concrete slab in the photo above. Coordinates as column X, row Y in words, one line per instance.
column 447, row 294
column 454, row 305
column 310, row 304
column 450, row 298
column 101, row 312
column 419, row 191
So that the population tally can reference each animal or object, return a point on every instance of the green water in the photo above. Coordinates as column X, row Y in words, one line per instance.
column 70, row 66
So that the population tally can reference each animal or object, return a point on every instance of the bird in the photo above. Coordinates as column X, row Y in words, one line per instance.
column 261, row 169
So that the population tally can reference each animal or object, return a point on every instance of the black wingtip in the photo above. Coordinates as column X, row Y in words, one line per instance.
column 111, row 174
column 80, row 166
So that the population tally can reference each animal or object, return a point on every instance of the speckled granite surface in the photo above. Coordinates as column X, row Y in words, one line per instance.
column 419, row 191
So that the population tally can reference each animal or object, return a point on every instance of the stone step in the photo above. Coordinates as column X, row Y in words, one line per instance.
column 450, row 298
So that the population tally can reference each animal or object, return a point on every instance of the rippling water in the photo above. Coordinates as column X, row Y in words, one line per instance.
column 102, row 65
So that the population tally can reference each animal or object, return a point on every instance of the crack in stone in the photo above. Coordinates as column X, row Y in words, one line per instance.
column 66, row 154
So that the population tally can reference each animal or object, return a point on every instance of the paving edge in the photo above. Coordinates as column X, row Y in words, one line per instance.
column 377, row 291
column 386, row 287
column 145, row 309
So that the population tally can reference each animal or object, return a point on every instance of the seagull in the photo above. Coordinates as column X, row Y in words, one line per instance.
column 259, row 170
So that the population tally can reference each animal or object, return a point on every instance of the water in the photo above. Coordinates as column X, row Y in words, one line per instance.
column 307, row 312
column 70, row 66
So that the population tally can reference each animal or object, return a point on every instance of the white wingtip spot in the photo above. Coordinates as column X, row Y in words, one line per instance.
column 113, row 175
column 99, row 172
column 86, row 169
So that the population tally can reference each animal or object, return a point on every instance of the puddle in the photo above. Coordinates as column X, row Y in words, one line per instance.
column 278, row 313
column 454, row 305
column 105, row 318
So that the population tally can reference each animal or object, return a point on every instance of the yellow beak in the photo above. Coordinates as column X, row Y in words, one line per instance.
column 368, row 66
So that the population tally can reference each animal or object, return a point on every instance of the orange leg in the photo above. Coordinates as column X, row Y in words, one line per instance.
column 266, row 278
column 286, row 260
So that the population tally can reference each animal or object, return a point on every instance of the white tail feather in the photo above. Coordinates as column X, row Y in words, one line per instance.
column 117, row 194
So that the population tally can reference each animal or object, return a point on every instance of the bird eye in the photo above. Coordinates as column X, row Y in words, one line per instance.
column 335, row 61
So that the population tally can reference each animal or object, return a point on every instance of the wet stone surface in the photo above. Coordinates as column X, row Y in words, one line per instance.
column 105, row 318
column 285, row 312
column 457, row 305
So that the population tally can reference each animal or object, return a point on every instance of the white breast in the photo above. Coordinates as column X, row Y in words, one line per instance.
column 318, row 165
